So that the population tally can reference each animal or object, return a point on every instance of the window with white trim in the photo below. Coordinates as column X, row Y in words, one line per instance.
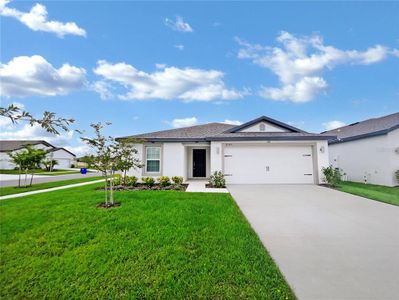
column 153, row 159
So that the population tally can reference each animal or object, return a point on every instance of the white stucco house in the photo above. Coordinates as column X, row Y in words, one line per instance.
column 64, row 158
column 367, row 151
column 261, row 151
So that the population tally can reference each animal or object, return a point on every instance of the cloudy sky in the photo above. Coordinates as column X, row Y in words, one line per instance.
column 153, row 66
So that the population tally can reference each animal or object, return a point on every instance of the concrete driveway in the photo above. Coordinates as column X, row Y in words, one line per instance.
column 328, row 244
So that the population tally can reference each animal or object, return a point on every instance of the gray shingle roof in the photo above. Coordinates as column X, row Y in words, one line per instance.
column 364, row 129
column 11, row 145
column 219, row 132
column 194, row 132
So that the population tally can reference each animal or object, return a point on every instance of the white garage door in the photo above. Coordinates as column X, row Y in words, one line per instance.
column 63, row 164
column 263, row 164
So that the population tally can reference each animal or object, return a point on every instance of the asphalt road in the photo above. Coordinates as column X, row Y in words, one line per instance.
column 39, row 179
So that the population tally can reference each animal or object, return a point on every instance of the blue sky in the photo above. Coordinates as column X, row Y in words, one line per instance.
column 158, row 65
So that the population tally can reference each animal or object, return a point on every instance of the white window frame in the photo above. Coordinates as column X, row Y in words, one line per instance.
column 146, row 159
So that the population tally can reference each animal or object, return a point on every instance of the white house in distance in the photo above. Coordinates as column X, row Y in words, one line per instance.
column 260, row 151
column 367, row 151
column 64, row 157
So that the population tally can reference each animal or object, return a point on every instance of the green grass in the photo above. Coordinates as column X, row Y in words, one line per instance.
column 158, row 244
column 376, row 192
column 9, row 190
column 42, row 172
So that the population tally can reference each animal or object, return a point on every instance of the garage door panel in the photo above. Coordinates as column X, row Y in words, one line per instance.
column 268, row 164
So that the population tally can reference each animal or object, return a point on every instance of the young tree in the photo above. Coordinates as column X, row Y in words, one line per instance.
column 49, row 121
column 34, row 159
column 49, row 164
column 126, row 155
column 19, row 159
column 27, row 159
column 104, row 158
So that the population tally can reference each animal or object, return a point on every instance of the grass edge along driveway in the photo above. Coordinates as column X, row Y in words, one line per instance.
column 158, row 244
column 380, row 193
column 11, row 190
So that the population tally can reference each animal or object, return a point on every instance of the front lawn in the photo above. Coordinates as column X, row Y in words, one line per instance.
column 376, row 192
column 10, row 190
column 158, row 244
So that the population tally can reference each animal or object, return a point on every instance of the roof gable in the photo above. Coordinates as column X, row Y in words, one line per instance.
column 271, row 125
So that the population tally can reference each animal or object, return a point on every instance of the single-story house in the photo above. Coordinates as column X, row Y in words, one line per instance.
column 367, row 151
column 64, row 158
column 261, row 151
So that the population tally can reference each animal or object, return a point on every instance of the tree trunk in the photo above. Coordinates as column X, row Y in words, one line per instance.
column 19, row 176
column 124, row 177
column 31, row 179
column 26, row 177
column 106, row 188
column 111, row 191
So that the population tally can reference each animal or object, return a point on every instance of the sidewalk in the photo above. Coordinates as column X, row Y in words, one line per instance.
column 198, row 186
column 49, row 190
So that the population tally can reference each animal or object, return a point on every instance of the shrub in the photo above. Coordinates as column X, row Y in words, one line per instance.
column 148, row 181
column 217, row 179
column 131, row 180
column 178, row 180
column 117, row 180
column 332, row 176
column 164, row 181
column 397, row 175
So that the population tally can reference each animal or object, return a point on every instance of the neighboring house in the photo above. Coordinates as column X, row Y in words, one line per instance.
column 261, row 151
column 64, row 157
column 367, row 151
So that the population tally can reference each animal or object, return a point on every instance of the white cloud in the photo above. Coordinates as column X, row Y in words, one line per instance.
column 5, row 123
column 178, row 24
column 232, row 122
column 36, row 19
column 33, row 75
column 186, row 122
column 186, row 84
column 103, row 88
column 333, row 125
column 81, row 149
column 160, row 66
column 179, row 47
column 300, row 61
column 301, row 91
column 27, row 132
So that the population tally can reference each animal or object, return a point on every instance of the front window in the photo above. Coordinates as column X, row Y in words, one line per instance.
column 153, row 159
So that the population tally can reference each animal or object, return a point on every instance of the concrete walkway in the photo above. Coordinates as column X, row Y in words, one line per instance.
column 42, row 179
column 49, row 190
column 328, row 244
column 199, row 186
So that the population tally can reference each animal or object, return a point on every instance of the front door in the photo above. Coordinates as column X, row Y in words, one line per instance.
column 199, row 163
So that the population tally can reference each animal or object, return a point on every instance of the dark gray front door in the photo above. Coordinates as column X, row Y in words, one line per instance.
column 199, row 163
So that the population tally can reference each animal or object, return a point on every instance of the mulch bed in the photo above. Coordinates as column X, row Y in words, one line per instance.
column 210, row 186
column 108, row 205
column 155, row 187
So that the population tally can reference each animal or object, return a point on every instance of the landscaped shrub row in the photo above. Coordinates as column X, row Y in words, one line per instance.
column 149, row 183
